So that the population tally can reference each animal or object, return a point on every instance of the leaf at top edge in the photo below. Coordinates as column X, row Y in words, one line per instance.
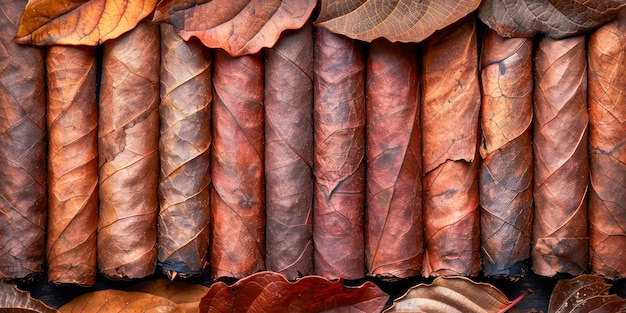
column 79, row 22
column 112, row 301
column 238, row 26
column 15, row 300
column 187, row 295
column 272, row 292
column 395, row 20
column 583, row 293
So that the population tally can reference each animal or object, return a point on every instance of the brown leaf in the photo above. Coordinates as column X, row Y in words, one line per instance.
column 128, row 144
column 112, row 301
column 506, row 173
column 240, row 27
column 289, row 153
column 15, row 300
column 393, row 242
column 79, row 22
column 72, row 164
column 186, row 295
column 271, row 292
column 554, row 18
column 23, row 151
column 238, row 197
column 584, row 294
column 184, row 145
column 453, row 294
column 339, row 165
column 561, row 166
column 607, row 130
column 400, row 20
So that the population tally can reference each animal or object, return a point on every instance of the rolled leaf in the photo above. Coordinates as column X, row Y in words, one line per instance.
column 561, row 168
column 607, row 149
column 128, row 142
column 185, row 110
column 339, row 160
column 506, row 198
column 393, row 220
column 289, row 153
column 72, row 164
column 450, row 107
column 22, row 151
column 238, row 196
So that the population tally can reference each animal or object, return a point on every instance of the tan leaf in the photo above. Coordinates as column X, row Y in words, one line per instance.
column 112, row 301
column 79, row 22
column 15, row 300
column 186, row 295
column 238, row 26
column 584, row 294
column 397, row 20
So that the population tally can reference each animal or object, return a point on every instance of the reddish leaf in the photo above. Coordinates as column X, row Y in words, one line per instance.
column 79, row 22
column 15, row 300
column 186, row 295
column 398, row 20
column 271, row 292
column 238, row 26
column 584, row 294
column 116, row 301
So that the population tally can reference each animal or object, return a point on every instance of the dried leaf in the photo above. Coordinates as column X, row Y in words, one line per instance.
column 22, row 151
column 112, row 301
column 400, row 20
column 584, row 294
column 186, row 295
column 238, row 198
column 289, row 153
column 184, row 193
column 240, row 27
column 555, row 18
column 607, row 149
column 561, row 165
column 128, row 151
column 453, row 294
column 506, row 173
column 393, row 224
column 15, row 300
column 79, row 22
column 271, row 292
column 450, row 107
column 339, row 165
column 72, row 164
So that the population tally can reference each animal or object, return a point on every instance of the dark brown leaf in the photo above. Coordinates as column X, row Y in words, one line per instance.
column 339, row 160
column 289, row 153
column 393, row 224
column 398, row 20
column 506, row 173
column 15, row 300
column 238, row 198
column 22, row 151
column 72, row 164
column 561, row 165
column 128, row 151
column 185, row 110
column 555, row 18
column 79, row 22
column 607, row 130
column 238, row 26
column 117, row 301
column 271, row 292
column 450, row 107
column 186, row 295
column 584, row 294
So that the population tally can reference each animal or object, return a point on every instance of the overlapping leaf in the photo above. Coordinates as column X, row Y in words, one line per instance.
column 113, row 301
column 15, row 300
column 186, row 295
column 585, row 293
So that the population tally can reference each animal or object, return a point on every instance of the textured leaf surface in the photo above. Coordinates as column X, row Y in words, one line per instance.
column 113, row 301
column 584, row 294
column 560, row 157
column 79, row 22
column 186, row 295
column 72, row 164
column 393, row 242
column 607, row 149
column 271, row 292
column 239, row 27
column 128, row 142
column 15, row 300
column 506, row 173
column 238, row 198
column 339, row 161
column 289, row 153
column 555, row 18
column 23, row 151
column 185, row 110
column 396, row 20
